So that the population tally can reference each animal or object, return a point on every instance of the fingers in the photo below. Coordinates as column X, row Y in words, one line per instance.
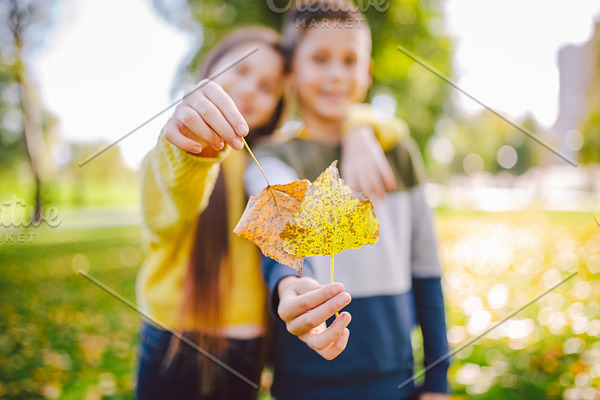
column 292, row 286
column 377, row 177
column 369, row 170
column 305, row 306
column 367, row 179
column 173, row 135
column 225, row 104
column 386, row 174
column 349, row 175
column 326, row 337
column 215, row 108
column 299, row 300
column 374, row 179
column 316, row 316
column 372, row 184
column 208, row 113
column 310, row 285
column 192, row 120
column 334, row 350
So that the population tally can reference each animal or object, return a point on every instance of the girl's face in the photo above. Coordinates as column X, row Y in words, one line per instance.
column 254, row 84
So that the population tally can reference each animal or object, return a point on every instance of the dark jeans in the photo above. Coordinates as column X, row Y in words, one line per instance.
column 180, row 380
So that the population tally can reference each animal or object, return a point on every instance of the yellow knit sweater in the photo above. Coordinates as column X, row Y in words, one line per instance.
column 176, row 187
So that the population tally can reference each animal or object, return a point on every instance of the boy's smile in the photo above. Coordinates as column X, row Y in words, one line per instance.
column 331, row 70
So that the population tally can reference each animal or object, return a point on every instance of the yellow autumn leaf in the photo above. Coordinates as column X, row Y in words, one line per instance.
column 266, row 215
column 332, row 217
column 288, row 222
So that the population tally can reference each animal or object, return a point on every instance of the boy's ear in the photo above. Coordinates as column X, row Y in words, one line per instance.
column 371, row 73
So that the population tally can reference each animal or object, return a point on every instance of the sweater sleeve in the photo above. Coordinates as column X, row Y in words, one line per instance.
column 176, row 185
column 429, row 302
column 428, row 296
column 388, row 131
column 273, row 272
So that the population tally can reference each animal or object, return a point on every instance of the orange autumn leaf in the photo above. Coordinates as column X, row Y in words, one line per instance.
column 332, row 217
column 265, row 217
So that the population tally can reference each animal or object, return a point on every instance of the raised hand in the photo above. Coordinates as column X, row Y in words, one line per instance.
column 206, row 119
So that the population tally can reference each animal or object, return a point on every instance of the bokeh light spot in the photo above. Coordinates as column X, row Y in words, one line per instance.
column 582, row 290
column 507, row 156
column 574, row 140
column 80, row 261
column 473, row 164
column 479, row 321
column 456, row 334
column 517, row 329
column 573, row 345
column 497, row 296
column 468, row 374
column 441, row 149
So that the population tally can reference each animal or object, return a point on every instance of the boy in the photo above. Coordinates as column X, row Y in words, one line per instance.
column 329, row 44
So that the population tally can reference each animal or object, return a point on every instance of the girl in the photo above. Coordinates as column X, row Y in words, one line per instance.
column 198, row 276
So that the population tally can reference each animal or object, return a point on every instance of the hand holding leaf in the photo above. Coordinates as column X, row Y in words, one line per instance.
column 295, row 220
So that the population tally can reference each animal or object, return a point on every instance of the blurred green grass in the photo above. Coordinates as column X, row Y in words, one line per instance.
column 63, row 337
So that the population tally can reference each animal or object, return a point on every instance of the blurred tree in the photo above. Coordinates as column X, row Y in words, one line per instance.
column 21, row 23
column 12, row 147
column 103, row 174
column 420, row 95
column 590, row 128
column 417, row 25
column 482, row 135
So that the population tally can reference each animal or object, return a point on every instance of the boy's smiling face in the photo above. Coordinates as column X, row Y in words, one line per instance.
column 331, row 69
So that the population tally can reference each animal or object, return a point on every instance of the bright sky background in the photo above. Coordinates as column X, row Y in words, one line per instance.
column 108, row 68
column 506, row 51
column 109, row 64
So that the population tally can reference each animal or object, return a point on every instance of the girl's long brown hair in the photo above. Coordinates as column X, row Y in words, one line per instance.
column 208, row 267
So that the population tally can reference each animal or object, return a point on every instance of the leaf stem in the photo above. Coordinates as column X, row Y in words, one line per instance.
column 255, row 160
column 265, row 175
column 337, row 314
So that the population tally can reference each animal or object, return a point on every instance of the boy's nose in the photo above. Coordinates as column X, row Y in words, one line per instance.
column 336, row 70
